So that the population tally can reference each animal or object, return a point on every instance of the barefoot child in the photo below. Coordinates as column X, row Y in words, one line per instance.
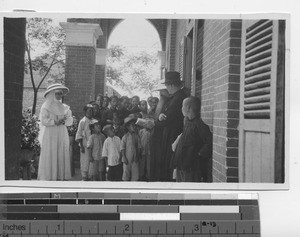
column 94, row 149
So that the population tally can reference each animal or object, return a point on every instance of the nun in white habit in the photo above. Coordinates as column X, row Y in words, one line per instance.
column 54, row 163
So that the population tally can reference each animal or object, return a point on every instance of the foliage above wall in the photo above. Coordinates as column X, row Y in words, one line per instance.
column 132, row 71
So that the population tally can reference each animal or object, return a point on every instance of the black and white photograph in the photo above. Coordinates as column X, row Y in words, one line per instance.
column 149, row 118
column 146, row 99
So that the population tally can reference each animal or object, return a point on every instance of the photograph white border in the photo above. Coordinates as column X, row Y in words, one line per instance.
column 151, row 185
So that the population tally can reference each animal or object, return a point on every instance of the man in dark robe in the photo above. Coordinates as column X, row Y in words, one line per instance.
column 156, row 137
column 170, row 120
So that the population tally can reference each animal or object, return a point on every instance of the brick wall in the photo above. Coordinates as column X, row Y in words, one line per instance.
column 107, row 26
column 101, row 43
column 233, row 101
column 218, row 61
column 14, row 48
column 217, row 84
column 80, row 77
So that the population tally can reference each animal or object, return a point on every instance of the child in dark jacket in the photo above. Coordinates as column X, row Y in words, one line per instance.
column 193, row 153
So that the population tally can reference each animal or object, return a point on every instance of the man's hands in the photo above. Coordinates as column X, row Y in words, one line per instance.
column 162, row 117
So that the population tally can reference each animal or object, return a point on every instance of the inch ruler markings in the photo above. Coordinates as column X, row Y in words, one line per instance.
column 126, row 214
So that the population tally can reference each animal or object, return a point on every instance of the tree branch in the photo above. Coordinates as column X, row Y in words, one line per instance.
column 27, row 45
column 49, row 68
column 58, row 61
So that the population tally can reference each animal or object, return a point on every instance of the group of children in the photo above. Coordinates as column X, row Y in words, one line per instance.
column 114, row 138
column 115, row 141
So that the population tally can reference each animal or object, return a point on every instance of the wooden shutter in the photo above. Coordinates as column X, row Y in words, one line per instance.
column 258, row 101
column 258, row 64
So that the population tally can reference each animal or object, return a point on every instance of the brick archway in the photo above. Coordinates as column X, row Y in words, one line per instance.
column 85, row 74
column 160, row 26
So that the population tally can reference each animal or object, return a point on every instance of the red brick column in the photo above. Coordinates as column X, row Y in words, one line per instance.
column 218, row 61
column 14, row 49
column 233, row 101
column 80, row 63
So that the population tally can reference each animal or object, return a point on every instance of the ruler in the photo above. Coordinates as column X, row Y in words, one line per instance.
column 129, row 214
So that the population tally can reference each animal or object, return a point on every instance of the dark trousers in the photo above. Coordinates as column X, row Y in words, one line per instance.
column 115, row 173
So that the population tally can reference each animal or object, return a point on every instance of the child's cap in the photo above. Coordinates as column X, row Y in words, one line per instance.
column 93, row 121
column 87, row 106
column 130, row 117
column 145, row 123
column 152, row 98
column 106, row 128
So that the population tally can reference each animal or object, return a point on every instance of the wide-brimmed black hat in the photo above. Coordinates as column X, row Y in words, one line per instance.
column 172, row 77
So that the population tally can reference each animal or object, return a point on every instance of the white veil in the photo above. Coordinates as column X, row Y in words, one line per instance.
column 55, row 107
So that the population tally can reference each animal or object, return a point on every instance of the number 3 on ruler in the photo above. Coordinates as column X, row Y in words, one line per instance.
column 196, row 227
